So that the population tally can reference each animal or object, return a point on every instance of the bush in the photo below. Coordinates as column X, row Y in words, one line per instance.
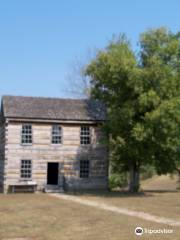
column 118, row 180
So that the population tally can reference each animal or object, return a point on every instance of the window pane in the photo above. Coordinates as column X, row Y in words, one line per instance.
column 56, row 134
column 85, row 137
column 26, row 135
column 84, row 168
column 26, row 169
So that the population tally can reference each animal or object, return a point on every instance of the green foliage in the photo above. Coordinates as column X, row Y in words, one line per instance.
column 118, row 180
column 147, row 171
column 142, row 95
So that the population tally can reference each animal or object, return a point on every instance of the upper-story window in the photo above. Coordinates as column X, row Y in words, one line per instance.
column 56, row 134
column 26, row 134
column 85, row 136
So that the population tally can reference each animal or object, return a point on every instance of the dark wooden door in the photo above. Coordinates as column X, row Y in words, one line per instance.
column 52, row 173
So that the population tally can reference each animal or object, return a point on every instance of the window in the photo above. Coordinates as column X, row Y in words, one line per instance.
column 26, row 169
column 84, row 168
column 56, row 134
column 26, row 135
column 85, row 137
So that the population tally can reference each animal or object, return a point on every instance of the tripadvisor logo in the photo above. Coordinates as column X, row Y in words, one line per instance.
column 139, row 231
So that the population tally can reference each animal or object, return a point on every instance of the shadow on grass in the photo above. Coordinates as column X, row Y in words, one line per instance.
column 108, row 194
column 160, row 191
column 120, row 193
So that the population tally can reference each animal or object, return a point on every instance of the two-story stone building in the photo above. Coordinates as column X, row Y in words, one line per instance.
column 52, row 144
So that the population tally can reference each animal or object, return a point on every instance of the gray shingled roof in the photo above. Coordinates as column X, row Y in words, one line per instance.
column 53, row 108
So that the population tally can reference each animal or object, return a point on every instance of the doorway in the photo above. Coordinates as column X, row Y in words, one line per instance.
column 52, row 173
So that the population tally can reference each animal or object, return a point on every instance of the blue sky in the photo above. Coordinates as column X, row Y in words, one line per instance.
column 39, row 39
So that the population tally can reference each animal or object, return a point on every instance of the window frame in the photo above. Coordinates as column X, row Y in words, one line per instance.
column 24, row 178
column 61, row 135
column 82, row 141
column 83, row 172
column 25, row 134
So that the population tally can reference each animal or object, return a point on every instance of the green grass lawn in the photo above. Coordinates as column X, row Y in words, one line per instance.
column 42, row 217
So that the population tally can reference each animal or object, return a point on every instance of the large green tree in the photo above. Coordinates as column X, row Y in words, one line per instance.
column 142, row 94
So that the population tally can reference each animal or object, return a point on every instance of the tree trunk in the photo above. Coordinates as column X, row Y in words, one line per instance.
column 134, row 178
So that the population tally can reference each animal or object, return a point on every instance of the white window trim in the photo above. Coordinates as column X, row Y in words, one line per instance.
column 56, row 144
column 26, row 144
column 90, row 135
column 24, row 178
